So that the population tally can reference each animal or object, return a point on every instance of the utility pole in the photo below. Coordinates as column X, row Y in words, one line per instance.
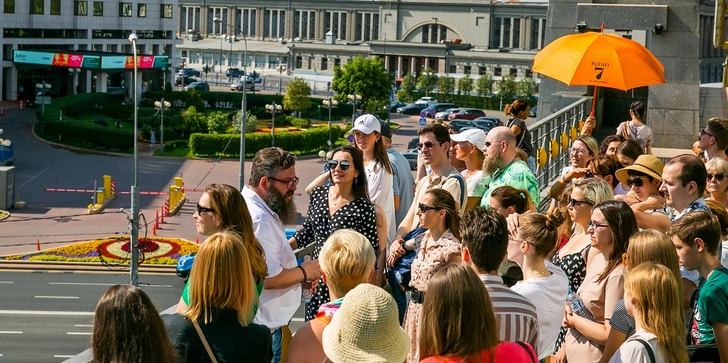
column 134, row 220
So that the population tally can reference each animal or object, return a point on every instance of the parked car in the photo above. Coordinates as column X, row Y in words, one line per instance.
column 238, row 86
column 234, row 72
column 440, row 116
column 255, row 77
column 200, row 86
column 460, row 125
column 411, row 155
column 183, row 80
column 189, row 72
column 487, row 123
column 437, row 107
column 533, row 111
column 412, row 144
column 394, row 105
column 411, row 109
column 467, row 114
column 426, row 101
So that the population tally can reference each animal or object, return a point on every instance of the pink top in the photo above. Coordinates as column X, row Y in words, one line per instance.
column 505, row 352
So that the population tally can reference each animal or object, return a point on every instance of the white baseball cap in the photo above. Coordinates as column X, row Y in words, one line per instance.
column 473, row 136
column 367, row 124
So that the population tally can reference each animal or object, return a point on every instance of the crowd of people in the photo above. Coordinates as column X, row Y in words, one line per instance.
column 455, row 264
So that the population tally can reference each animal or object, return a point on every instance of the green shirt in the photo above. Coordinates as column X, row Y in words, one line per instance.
column 712, row 307
column 186, row 294
column 517, row 175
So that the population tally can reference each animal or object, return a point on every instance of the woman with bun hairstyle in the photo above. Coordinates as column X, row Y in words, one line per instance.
column 544, row 284
column 518, row 110
column 635, row 129
column 507, row 200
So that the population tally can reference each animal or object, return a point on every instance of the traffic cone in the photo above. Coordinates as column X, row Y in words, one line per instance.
column 197, row 240
column 154, row 231
column 161, row 216
column 156, row 220
column 37, row 244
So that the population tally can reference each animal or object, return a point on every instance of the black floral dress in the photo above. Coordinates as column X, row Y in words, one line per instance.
column 357, row 215
column 574, row 266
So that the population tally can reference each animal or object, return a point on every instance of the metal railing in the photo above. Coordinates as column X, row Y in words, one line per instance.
column 553, row 136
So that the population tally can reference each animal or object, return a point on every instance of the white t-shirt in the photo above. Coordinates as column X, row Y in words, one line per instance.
column 633, row 351
column 475, row 189
column 276, row 306
column 381, row 193
column 548, row 294
column 621, row 189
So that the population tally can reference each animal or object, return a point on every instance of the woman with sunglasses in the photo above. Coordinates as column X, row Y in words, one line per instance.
column 222, row 207
column 572, row 257
column 437, row 247
column 611, row 225
column 717, row 184
column 342, row 205
column 643, row 178
column 582, row 149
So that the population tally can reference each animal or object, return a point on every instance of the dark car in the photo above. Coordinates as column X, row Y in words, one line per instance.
column 394, row 105
column 183, row 80
column 459, row 125
column 467, row 114
column 487, row 123
column 234, row 72
column 200, row 86
column 438, row 107
column 533, row 111
column 189, row 72
column 411, row 109
column 411, row 155
column 412, row 144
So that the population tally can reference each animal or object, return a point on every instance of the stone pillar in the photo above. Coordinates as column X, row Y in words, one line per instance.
column 412, row 64
column 203, row 19
column 399, row 66
column 101, row 78
column 260, row 17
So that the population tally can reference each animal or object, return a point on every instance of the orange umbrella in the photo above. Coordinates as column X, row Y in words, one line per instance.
column 599, row 60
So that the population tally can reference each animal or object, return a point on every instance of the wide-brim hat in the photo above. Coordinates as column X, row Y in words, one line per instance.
column 366, row 329
column 646, row 164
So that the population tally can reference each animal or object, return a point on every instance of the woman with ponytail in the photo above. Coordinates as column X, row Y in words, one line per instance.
column 518, row 110
column 544, row 284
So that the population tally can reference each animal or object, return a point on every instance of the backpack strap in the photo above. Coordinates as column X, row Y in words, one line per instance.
column 528, row 351
column 648, row 348
column 461, row 181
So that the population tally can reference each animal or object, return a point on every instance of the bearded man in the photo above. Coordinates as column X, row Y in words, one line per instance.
column 269, row 196
column 502, row 166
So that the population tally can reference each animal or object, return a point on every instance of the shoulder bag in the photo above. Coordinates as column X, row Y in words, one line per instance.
column 204, row 342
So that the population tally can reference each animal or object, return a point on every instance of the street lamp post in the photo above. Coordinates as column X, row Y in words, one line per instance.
column 222, row 39
column 134, row 240
column 241, row 179
column 280, row 69
column 273, row 108
column 427, row 76
column 330, row 102
column 354, row 98
column 74, row 73
column 162, row 105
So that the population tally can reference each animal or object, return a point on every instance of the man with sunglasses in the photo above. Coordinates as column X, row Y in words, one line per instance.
column 714, row 138
column 502, row 167
column 269, row 196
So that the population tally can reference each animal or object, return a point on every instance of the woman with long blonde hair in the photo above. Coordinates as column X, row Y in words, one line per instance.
column 652, row 296
column 222, row 290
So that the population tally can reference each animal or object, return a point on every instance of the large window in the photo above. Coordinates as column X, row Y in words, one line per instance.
column 507, row 33
column 274, row 23
column 335, row 22
column 55, row 7
column 189, row 18
column 304, row 24
column 167, row 11
column 37, row 6
column 245, row 20
column 366, row 27
column 433, row 33
column 142, row 10
column 217, row 28
column 538, row 30
column 125, row 10
column 80, row 8
column 324, row 64
column 9, row 7
column 98, row 8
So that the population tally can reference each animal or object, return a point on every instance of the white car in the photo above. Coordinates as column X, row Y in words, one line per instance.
column 426, row 101
column 444, row 114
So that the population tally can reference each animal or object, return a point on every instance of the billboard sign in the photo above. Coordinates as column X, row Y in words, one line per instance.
column 56, row 59
column 127, row 62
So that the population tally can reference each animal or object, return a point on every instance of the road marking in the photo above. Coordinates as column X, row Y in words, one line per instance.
column 78, row 333
column 6, row 282
column 102, row 284
column 83, row 325
column 61, row 356
column 36, row 175
column 41, row 312
column 56, row 297
column 10, row 332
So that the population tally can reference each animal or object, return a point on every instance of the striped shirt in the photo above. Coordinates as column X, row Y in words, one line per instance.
column 515, row 316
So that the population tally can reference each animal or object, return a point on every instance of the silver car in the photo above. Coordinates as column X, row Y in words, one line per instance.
column 238, row 86
column 443, row 115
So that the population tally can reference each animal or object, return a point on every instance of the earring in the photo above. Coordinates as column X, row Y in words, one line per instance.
column 356, row 181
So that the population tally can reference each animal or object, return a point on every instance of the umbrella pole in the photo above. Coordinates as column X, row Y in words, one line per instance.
column 594, row 101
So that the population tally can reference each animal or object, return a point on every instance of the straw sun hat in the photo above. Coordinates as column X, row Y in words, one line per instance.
column 647, row 164
column 366, row 329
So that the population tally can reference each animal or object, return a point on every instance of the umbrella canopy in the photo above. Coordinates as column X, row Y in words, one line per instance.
column 598, row 59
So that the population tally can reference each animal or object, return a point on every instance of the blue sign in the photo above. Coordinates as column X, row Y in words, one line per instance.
column 350, row 138
column 423, row 121
column 423, row 113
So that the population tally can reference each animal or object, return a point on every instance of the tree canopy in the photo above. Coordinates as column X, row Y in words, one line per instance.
column 408, row 87
column 297, row 96
column 527, row 87
column 465, row 84
column 427, row 80
column 507, row 86
column 365, row 77
column 484, row 85
column 446, row 84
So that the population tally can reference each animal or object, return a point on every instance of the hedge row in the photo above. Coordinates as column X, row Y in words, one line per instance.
column 303, row 141
column 88, row 134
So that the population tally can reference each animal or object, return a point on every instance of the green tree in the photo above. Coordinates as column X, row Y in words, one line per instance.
column 427, row 80
column 365, row 77
column 195, row 101
column 446, row 84
column 297, row 96
column 465, row 84
column 408, row 87
column 217, row 122
column 484, row 85
column 192, row 121
column 403, row 96
column 527, row 87
column 251, row 121
column 507, row 86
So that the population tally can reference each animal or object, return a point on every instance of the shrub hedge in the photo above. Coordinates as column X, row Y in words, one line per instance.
column 302, row 141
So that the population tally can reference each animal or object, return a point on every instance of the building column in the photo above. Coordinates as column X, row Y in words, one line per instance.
column 260, row 17
column 87, row 82
column 320, row 31
column 350, row 24
column 399, row 67
column 101, row 78
column 386, row 63
column 412, row 65
column 427, row 62
column 203, row 20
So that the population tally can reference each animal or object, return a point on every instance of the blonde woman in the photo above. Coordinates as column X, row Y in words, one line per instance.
column 222, row 291
column 652, row 296
column 346, row 260
column 717, row 182
column 645, row 246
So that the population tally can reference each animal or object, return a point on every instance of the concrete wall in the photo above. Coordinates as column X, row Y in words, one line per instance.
column 672, row 108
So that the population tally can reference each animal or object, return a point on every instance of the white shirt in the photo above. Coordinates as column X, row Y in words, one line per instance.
column 276, row 307
column 381, row 193
column 473, row 183
column 633, row 351
column 548, row 294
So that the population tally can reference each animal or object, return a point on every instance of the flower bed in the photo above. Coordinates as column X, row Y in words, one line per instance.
column 155, row 250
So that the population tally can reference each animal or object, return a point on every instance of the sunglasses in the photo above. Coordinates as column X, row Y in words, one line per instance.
column 718, row 177
column 290, row 184
column 427, row 144
column 488, row 143
column 636, row 181
column 573, row 202
column 703, row 132
column 343, row 164
column 595, row 225
column 424, row 208
column 201, row 209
